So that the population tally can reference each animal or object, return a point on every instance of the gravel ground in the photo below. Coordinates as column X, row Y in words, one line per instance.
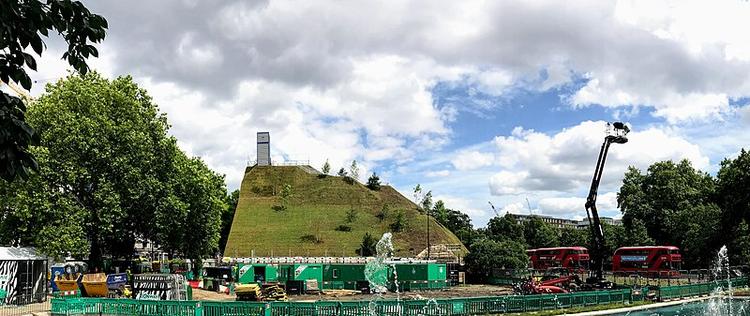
column 468, row 290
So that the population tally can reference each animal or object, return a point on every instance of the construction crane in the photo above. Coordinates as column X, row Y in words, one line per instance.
column 616, row 133
column 493, row 209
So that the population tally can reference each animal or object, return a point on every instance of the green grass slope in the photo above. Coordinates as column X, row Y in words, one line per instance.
column 317, row 207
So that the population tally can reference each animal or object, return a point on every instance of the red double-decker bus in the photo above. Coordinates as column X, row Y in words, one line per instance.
column 651, row 260
column 574, row 258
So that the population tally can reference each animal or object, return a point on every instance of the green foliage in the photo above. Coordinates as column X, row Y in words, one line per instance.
column 351, row 216
column 284, row 197
column 383, row 213
column 399, row 223
column 342, row 173
column 344, row 228
column 111, row 175
column 505, row 228
column 326, row 167
column 354, row 171
column 325, row 202
column 439, row 212
column 739, row 246
column 23, row 23
column 571, row 237
column 486, row 254
column 367, row 247
column 311, row 238
column 453, row 220
column 539, row 234
column 733, row 188
column 226, row 218
column 674, row 204
column 422, row 199
column 468, row 235
column 696, row 229
column 373, row 182
column 661, row 195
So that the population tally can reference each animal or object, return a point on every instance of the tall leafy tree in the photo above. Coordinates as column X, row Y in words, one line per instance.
column 326, row 167
column 733, row 196
column 367, row 247
column 439, row 212
column 658, row 197
column 205, row 195
column 36, row 213
column 109, row 151
column 354, row 171
column 486, row 254
column 571, row 237
column 675, row 204
column 505, row 228
column 697, row 232
column 373, row 182
column 22, row 25
column 110, row 176
column 539, row 234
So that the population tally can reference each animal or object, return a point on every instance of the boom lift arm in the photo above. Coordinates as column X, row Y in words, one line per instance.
column 616, row 133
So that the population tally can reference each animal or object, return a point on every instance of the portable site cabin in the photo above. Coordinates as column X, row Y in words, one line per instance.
column 257, row 273
column 423, row 276
column 411, row 276
column 297, row 276
column 343, row 276
column 23, row 275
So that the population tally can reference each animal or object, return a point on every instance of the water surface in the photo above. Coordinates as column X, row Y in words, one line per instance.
column 713, row 307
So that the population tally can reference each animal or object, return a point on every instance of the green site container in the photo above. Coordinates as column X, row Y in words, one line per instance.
column 421, row 272
column 2, row 297
column 257, row 273
column 344, row 272
column 301, row 272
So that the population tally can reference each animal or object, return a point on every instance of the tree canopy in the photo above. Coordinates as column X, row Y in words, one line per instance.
column 110, row 176
column 506, row 254
column 22, row 25
column 675, row 204
column 505, row 227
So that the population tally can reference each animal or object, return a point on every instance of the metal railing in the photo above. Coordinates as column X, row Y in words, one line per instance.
column 448, row 307
column 662, row 278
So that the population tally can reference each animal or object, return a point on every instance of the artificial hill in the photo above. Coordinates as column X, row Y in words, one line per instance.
column 317, row 207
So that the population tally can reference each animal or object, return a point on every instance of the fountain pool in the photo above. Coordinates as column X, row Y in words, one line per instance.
column 732, row 307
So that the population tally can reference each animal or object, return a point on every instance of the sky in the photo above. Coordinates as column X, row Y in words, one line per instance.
column 477, row 101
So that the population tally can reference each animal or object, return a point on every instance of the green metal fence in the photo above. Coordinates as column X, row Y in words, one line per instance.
column 680, row 291
column 450, row 307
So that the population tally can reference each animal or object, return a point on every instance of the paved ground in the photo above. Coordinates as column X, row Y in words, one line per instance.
column 37, row 309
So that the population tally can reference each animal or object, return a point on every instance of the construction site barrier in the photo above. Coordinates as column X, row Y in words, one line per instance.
column 680, row 291
column 450, row 307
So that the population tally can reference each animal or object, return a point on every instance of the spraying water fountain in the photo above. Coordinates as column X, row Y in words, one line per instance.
column 722, row 300
column 379, row 271
column 376, row 271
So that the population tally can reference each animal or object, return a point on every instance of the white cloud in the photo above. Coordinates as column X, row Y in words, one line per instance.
column 745, row 114
column 564, row 162
column 470, row 160
column 437, row 173
column 574, row 207
column 345, row 81
column 514, row 208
